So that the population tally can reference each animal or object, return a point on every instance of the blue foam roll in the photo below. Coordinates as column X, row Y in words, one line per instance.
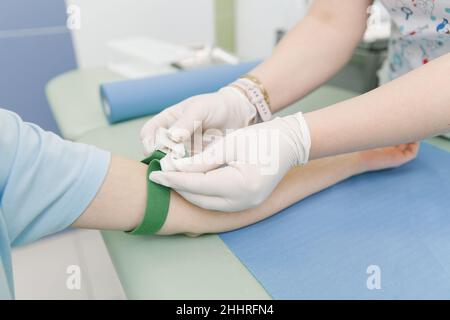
column 125, row 100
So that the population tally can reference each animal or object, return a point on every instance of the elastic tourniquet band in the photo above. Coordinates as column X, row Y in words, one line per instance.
column 158, row 199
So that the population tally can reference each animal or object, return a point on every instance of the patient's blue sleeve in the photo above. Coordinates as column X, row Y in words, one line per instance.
column 45, row 183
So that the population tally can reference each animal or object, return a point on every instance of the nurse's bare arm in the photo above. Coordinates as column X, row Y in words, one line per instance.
column 120, row 203
column 410, row 108
column 314, row 50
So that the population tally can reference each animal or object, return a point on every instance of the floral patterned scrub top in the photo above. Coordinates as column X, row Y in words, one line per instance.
column 420, row 33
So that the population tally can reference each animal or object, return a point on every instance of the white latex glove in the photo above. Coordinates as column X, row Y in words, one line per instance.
column 242, row 169
column 227, row 108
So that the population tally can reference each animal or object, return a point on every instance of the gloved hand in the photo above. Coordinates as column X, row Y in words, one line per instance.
column 227, row 108
column 242, row 169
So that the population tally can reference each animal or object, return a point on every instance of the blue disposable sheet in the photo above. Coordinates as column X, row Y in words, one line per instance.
column 321, row 248
column 125, row 100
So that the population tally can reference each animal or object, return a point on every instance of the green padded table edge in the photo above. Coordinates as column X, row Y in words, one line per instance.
column 158, row 199
column 74, row 100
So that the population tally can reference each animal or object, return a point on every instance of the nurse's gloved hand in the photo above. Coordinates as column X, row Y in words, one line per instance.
column 225, row 109
column 241, row 170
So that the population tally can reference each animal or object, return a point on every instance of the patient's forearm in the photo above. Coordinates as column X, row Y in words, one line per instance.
column 120, row 203
column 298, row 184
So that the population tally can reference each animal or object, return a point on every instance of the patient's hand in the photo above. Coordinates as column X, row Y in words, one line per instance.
column 390, row 157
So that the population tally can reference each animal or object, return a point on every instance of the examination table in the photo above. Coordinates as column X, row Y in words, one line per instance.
column 152, row 267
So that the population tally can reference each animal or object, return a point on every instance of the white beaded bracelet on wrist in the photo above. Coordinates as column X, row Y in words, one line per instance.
column 255, row 95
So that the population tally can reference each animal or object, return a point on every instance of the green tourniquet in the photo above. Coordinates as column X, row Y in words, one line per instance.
column 158, row 199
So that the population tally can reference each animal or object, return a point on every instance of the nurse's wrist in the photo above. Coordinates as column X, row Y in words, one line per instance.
column 256, row 94
column 248, row 113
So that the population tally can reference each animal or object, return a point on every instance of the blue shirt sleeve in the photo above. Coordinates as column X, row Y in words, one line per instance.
column 45, row 182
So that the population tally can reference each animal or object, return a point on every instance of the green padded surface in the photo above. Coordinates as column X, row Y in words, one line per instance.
column 75, row 101
column 179, row 267
column 322, row 97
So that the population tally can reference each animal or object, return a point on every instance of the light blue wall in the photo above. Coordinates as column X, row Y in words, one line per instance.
column 34, row 47
column 22, row 14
